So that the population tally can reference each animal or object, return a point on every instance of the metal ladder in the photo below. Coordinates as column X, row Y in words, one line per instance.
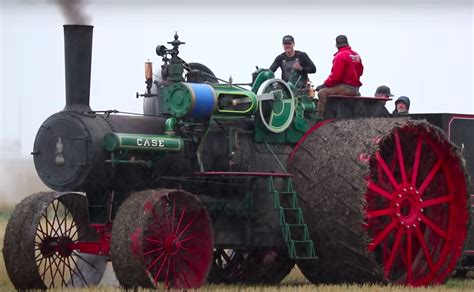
column 290, row 216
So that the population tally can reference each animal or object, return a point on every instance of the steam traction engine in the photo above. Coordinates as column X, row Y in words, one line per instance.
column 220, row 183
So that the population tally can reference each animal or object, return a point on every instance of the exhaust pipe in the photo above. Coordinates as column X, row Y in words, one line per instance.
column 77, row 59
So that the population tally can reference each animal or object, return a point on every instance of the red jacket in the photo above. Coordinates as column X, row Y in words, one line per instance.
column 346, row 68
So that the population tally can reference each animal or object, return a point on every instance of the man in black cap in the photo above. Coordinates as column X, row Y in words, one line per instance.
column 345, row 75
column 292, row 59
column 383, row 91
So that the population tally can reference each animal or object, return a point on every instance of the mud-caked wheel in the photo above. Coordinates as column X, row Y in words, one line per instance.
column 39, row 243
column 385, row 200
column 257, row 266
column 162, row 238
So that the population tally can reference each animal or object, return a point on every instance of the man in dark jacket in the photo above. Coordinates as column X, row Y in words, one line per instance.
column 345, row 74
column 402, row 106
column 292, row 59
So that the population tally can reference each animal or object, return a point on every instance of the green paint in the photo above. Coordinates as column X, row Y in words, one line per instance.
column 262, row 76
column 156, row 143
column 177, row 99
column 246, row 101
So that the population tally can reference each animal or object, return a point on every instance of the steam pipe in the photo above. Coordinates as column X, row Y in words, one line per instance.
column 77, row 60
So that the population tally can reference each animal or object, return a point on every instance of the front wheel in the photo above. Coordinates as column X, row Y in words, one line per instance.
column 39, row 243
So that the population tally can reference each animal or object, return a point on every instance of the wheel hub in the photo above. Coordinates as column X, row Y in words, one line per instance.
column 60, row 245
column 172, row 244
column 407, row 207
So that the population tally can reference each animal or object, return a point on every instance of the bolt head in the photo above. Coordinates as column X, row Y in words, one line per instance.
column 414, row 225
column 421, row 200
column 397, row 205
column 408, row 226
column 398, row 214
column 421, row 210
column 399, row 195
column 402, row 222
column 404, row 189
column 419, row 219
column 417, row 192
column 411, row 188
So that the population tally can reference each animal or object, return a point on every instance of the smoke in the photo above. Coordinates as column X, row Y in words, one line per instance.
column 73, row 11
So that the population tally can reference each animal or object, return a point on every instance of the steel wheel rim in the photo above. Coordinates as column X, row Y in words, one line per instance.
column 416, row 214
column 177, row 241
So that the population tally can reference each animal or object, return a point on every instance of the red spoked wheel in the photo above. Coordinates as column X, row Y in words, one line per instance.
column 416, row 212
column 40, row 239
column 162, row 238
column 385, row 200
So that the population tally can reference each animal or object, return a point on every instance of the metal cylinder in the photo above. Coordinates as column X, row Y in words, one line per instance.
column 77, row 60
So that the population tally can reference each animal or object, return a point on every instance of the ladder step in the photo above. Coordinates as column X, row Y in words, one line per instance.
column 291, row 215
column 295, row 231
column 284, row 199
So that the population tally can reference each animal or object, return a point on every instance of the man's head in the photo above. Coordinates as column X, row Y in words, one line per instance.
column 288, row 44
column 383, row 91
column 341, row 41
column 402, row 104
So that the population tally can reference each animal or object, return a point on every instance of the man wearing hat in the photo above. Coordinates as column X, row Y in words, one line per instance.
column 402, row 106
column 345, row 75
column 383, row 91
column 291, row 59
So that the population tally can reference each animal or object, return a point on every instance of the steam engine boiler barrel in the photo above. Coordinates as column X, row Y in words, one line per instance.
column 77, row 59
column 69, row 154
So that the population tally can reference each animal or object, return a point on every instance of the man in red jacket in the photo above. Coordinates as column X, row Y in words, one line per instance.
column 345, row 75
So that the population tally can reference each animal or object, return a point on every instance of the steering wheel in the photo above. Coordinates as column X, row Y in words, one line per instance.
column 276, row 114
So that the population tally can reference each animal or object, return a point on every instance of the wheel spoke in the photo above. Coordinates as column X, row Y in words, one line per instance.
column 173, row 216
column 153, row 240
column 180, row 219
column 425, row 249
column 387, row 171
column 416, row 162
column 78, row 271
column 167, row 279
column 155, row 278
column 430, row 177
column 437, row 201
column 187, row 226
column 371, row 246
column 155, row 261
column 409, row 258
column 401, row 161
column 377, row 189
column 378, row 213
column 389, row 263
column 434, row 227
column 153, row 250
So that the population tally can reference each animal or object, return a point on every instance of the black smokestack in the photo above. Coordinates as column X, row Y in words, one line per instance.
column 77, row 59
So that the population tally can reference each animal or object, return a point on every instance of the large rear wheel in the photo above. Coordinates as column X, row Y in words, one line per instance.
column 391, row 205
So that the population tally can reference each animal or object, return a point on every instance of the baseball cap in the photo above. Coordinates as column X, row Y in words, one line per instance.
column 383, row 89
column 341, row 41
column 288, row 39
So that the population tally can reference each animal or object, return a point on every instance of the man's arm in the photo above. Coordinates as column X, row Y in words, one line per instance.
column 337, row 72
column 307, row 64
column 277, row 63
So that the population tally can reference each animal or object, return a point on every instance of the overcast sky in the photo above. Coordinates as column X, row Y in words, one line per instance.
column 420, row 48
